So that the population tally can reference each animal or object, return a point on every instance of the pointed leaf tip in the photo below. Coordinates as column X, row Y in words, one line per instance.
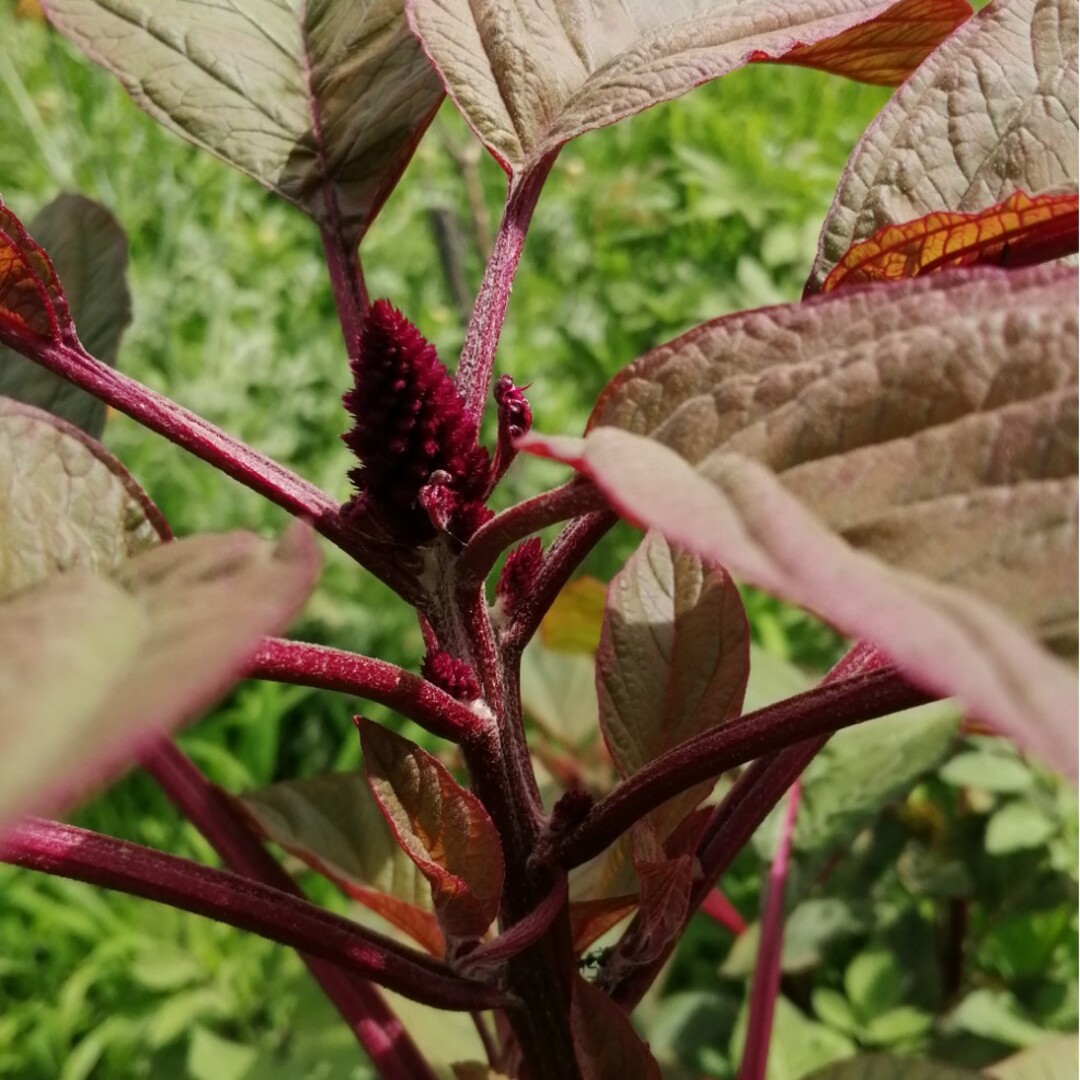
column 441, row 826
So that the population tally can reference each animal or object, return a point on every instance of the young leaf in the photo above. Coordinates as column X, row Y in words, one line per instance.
column 335, row 825
column 1017, row 232
column 68, row 503
column 322, row 103
column 31, row 300
column 185, row 617
column 605, row 1042
column 529, row 79
column 993, row 111
column 88, row 250
column 442, row 827
column 917, row 421
column 733, row 510
column 673, row 659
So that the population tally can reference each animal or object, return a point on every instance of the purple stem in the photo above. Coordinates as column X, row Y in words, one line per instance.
column 819, row 711
column 380, row 1033
column 81, row 855
column 740, row 813
column 325, row 668
column 564, row 556
column 532, row 515
column 186, row 429
column 347, row 282
column 482, row 336
column 766, row 985
column 721, row 910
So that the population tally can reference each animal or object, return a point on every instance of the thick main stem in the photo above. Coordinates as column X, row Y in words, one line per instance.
column 380, row 1033
column 482, row 336
column 539, row 977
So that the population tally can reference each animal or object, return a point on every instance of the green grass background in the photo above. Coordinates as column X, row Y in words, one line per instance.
column 686, row 212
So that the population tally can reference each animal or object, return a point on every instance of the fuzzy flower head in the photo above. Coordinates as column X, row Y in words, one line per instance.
column 422, row 471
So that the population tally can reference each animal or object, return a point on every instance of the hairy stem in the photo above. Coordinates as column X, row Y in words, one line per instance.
column 325, row 668
column 816, row 712
column 67, row 851
column 524, row 519
column 482, row 336
column 564, row 556
column 380, row 1033
column 187, row 430
column 766, row 985
column 740, row 813
column 347, row 283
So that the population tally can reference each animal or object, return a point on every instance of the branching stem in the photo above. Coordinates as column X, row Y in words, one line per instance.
column 67, row 851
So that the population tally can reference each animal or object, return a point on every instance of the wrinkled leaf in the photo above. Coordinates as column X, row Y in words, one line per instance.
column 528, row 78
column 673, row 660
column 888, row 49
column 736, row 512
column 321, row 102
column 88, row 249
column 572, row 624
column 442, row 827
column 68, row 503
column 32, row 303
column 335, row 825
column 1019, row 231
column 994, row 110
column 605, row 1042
column 92, row 668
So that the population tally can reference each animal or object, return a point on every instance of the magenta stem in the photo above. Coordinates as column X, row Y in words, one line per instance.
column 67, row 851
column 324, row 668
column 564, row 556
column 215, row 814
column 524, row 519
column 186, row 429
column 347, row 283
column 485, row 324
column 766, row 985
column 825, row 709
column 741, row 812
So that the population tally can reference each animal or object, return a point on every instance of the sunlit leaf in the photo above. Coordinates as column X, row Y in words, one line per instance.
column 88, row 249
column 734, row 510
column 993, row 111
column 335, row 825
column 68, row 503
column 888, row 49
column 931, row 423
column 321, row 102
column 32, row 303
column 91, row 668
column 442, row 827
column 528, row 78
column 1017, row 232
column 673, row 660
column 605, row 1042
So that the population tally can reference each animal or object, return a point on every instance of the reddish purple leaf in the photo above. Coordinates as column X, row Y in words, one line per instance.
column 442, row 827
column 605, row 1042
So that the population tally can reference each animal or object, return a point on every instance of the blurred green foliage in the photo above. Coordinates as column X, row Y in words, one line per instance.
column 686, row 212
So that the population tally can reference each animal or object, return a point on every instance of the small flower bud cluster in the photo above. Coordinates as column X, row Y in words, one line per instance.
column 451, row 674
column 519, row 572
column 422, row 470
